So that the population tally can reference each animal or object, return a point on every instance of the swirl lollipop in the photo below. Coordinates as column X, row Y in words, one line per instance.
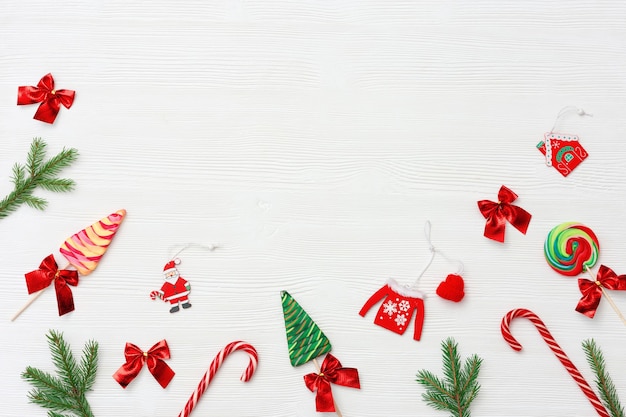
column 571, row 248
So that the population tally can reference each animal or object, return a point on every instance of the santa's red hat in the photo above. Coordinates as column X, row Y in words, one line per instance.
column 171, row 265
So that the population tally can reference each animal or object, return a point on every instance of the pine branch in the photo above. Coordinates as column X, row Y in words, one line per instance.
column 64, row 393
column 604, row 383
column 35, row 156
column 51, row 401
column 458, row 389
column 63, row 359
column 57, row 185
column 469, row 375
column 43, row 381
column 88, row 365
column 37, row 173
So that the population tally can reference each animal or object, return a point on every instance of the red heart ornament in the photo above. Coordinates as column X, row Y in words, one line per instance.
column 451, row 288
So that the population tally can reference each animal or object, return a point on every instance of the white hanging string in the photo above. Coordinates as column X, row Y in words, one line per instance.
column 211, row 247
column 567, row 109
column 433, row 252
column 559, row 116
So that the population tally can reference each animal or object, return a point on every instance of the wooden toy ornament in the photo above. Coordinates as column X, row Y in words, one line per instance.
column 175, row 289
column 402, row 301
column 563, row 151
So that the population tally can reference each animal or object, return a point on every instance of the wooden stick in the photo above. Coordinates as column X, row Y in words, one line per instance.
column 31, row 300
column 317, row 365
column 608, row 297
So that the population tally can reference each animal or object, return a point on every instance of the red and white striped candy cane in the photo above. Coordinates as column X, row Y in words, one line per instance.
column 560, row 354
column 215, row 365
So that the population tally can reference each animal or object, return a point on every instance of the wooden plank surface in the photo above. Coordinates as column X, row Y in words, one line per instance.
column 312, row 141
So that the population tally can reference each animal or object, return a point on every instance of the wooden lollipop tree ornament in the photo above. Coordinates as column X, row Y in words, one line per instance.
column 83, row 251
column 306, row 342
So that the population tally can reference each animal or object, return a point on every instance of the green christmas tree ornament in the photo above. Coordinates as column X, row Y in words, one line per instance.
column 304, row 339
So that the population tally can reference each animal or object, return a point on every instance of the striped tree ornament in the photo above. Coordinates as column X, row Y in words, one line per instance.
column 304, row 339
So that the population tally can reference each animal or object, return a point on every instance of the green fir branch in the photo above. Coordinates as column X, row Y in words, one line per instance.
column 459, row 387
column 37, row 173
column 43, row 381
column 64, row 360
column 52, row 401
column 603, row 380
column 64, row 393
column 35, row 156
column 88, row 365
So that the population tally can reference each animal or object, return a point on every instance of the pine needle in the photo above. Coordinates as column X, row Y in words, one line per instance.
column 459, row 387
column 37, row 173
column 64, row 393
column 604, row 383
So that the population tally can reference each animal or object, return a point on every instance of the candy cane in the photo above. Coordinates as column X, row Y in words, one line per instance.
column 215, row 365
column 554, row 346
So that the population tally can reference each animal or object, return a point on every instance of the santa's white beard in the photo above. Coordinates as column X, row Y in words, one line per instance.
column 172, row 279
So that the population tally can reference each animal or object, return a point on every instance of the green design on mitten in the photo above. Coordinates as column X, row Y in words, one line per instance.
column 304, row 339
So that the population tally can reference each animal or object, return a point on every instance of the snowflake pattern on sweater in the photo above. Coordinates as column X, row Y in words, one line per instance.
column 396, row 311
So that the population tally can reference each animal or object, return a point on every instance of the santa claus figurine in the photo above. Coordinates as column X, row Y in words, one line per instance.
column 175, row 289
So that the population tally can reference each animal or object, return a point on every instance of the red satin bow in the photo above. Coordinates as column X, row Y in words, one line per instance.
column 330, row 371
column 592, row 291
column 135, row 358
column 48, row 271
column 497, row 214
column 49, row 98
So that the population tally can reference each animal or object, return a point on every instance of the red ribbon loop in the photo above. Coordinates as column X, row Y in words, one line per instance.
column 50, row 99
column 330, row 371
column 49, row 271
column 497, row 214
column 592, row 291
column 154, row 358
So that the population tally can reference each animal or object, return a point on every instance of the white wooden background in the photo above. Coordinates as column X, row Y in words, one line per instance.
column 312, row 141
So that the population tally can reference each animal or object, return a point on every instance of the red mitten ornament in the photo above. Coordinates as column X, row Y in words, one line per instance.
column 452, row 288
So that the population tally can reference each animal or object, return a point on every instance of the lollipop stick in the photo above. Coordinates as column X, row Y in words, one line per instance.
column 31, row 300
column 608, row 298
column 317, row 365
